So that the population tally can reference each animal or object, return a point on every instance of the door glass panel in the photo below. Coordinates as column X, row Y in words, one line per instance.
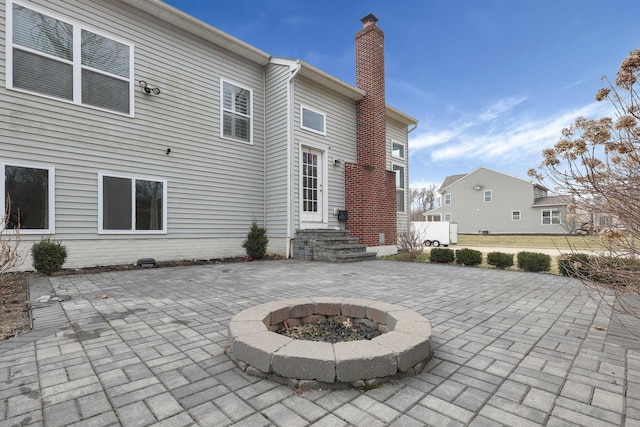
column 310, row 182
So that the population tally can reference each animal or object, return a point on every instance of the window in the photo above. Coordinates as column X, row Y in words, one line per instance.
column 550, row 216
column 447, row 199
column 58, row 59
column 30, row 190
column 312, row 120
column 397, row 150
column 488, row 196
column 447, row 217
column 132, row 205
column 400, row 200
column 515, row 215
column 433, row 217
column 236, row 112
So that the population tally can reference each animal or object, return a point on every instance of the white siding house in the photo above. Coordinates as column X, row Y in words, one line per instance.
column 490, row 202
column 129, row 130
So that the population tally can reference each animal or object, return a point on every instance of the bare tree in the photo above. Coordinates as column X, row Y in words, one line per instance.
column 598, row 161
column 422, row 200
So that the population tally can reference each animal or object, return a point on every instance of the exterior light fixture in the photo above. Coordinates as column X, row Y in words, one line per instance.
column 478, row 187
column 147, row 89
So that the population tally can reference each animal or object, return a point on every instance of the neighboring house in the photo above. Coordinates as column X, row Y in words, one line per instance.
column 131, row 130
column 486, row 201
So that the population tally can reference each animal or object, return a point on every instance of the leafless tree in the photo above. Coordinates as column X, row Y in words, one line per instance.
column 598, row 161
column 422, row 200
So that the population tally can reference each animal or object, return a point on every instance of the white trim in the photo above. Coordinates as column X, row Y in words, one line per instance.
column 404, row 149
column 51, row 196
column 444, row 199
column 316, row 111
column 76, row 61
column 519, row 215
column 404, row 186
column 542, row 211
column 133, row 179
column 324, row 150
column 222, row 110
column 484, row 196
column 447, row 217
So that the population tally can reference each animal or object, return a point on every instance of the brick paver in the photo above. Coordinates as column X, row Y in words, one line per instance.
column 510, row 348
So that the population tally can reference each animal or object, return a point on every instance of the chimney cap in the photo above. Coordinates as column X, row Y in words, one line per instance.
column 370, row 18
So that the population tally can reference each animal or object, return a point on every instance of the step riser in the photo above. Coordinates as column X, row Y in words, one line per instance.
column 329, row 246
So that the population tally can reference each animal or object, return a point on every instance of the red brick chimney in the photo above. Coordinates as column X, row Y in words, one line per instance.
column 370, row 187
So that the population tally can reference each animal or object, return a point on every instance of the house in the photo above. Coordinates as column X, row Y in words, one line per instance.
column 486, row 201
column 132, row 130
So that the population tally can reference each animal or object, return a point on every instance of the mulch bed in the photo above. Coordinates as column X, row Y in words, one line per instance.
column 14, row 306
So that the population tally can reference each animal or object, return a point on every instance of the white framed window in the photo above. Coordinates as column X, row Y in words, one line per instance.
column 131, row 204
column 237, row 111
column 488, row 196
column 516, row 215
column 434, row 217
column 447, row 199
column 400, row 187
column 53, row 57
column 30, row 190
column 550, row 216
column 397, row 150
column 447, row 217
column 313, row 120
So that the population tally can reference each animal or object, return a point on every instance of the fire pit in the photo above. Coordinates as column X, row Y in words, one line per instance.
column 403, row 348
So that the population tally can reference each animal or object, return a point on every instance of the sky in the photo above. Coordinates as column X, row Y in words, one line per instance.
column 491, row 82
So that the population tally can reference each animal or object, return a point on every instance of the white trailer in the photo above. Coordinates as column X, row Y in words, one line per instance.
column 436, row 233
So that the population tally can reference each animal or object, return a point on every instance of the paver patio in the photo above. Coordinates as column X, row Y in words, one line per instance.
column 510, row 348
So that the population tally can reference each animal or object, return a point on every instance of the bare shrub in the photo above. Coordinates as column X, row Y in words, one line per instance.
column 598, row 162
column 9, row 241
column 411, row 243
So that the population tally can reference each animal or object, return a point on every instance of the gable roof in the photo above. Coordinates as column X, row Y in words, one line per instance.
column 553, row 201
column 451, row 179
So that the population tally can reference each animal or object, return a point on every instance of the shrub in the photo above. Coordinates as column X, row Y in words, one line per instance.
column 48, row 256
column 500, row 259
column 574, row 265
column 410, row 243
column 468, row 257
column 534, row 261
column 256, row 243
column 441, row 255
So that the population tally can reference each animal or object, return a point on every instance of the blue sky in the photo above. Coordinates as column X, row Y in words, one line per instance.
column 492, row 82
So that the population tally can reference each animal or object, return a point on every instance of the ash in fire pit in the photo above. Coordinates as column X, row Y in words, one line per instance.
column 331, row 331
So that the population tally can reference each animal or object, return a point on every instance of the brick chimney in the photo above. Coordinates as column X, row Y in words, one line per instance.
column 370, row 187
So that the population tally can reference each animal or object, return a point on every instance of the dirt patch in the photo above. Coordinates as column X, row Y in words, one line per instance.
column 14, row 306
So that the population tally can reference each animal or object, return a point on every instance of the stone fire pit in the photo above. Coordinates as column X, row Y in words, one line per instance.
column 403, row 348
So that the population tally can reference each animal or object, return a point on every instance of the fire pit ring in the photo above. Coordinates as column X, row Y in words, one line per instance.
column 403, row 349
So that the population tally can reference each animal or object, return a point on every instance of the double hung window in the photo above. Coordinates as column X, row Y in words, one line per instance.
column 236, row 112
column 55, row 58
column 29, row 192
column 132, row 205
column 397, row 150
column 550, row 216
column 400, row 187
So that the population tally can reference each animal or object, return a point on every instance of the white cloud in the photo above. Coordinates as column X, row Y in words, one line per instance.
column 497, row 133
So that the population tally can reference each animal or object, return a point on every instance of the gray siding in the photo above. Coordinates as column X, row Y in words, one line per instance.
column 472, row 214
column 397, row 132
column 215, row 185
column 276, row 141
column 339, row 141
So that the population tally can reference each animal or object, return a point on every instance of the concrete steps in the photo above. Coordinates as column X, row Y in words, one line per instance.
column 329, row 246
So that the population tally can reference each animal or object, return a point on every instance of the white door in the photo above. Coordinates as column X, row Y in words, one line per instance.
column 311, row 168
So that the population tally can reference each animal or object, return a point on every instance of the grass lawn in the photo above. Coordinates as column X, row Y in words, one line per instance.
column 566, row 242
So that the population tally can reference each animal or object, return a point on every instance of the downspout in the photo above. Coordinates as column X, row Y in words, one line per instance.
column 264, row 145
column 289, row 154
